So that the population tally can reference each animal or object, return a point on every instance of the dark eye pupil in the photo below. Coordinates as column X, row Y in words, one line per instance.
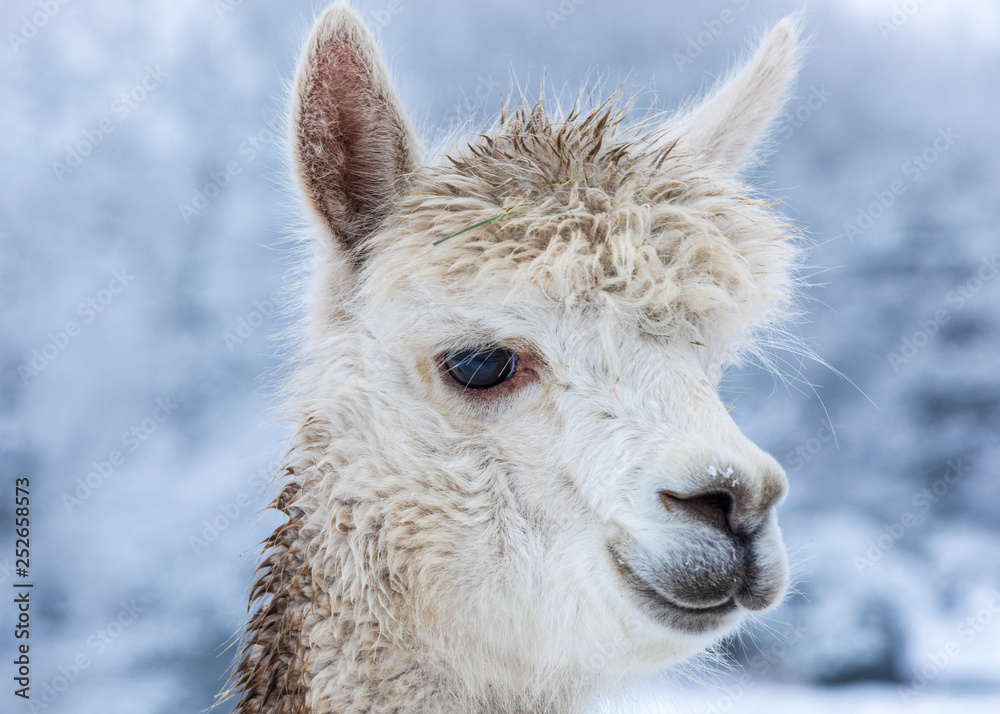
column 481, row 369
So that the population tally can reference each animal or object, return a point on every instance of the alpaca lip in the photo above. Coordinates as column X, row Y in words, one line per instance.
column 727, row 606
column 668, row 612
column 683, row 617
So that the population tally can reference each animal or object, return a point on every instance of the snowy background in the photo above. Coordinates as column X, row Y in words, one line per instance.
column 135, row 319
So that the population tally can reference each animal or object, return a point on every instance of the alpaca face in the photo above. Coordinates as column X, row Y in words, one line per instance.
column 598, row 492
column 516, row 348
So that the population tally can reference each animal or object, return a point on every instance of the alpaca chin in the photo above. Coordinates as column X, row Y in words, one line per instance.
column 708, row 584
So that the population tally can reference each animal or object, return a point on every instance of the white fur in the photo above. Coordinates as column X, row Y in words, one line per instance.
column 452, row 551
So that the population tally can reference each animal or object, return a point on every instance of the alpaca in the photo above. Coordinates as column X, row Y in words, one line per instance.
column 513, row 484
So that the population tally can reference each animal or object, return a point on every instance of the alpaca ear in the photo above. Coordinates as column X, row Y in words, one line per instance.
column 727, row 127
column 352, row 144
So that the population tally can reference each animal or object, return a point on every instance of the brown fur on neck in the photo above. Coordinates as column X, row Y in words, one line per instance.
column 272, row 676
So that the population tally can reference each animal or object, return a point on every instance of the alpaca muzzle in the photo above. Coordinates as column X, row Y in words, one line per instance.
column 710, row 577
column 724, row 555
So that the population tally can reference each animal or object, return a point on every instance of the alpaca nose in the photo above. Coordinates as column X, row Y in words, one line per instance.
column 735, row 502
column 713, row 507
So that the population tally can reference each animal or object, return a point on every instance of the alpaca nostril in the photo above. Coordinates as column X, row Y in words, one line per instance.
column 712, row 507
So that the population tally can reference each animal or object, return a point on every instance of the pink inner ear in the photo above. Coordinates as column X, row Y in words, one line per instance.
column 332, row 127
column 352, row 141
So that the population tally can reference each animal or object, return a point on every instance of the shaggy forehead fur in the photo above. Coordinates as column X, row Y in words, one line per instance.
column 593, row 211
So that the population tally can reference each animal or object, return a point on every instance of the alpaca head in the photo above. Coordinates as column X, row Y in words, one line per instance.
column 521, row 467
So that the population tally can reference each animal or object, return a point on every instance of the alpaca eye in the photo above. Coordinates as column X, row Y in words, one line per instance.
column 481, row 369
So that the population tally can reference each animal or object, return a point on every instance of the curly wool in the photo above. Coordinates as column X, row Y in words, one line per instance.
column 600, row 212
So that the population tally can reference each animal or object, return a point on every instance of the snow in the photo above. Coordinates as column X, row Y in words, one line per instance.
column 750, row 698
column 893, row 515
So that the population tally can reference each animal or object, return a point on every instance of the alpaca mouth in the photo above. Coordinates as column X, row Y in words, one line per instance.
column 685, row 617
column 716, row 613
column 654, row 595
